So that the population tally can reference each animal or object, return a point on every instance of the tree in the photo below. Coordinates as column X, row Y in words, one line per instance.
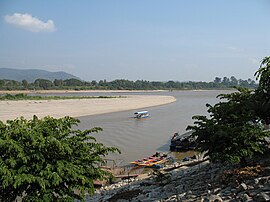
column 94, row 83
column 102, row 82
column 263, row 75
column 2, row 84
column 73, row 82
column 233, row 132
column 234, row 81
column 58, row 82
column 170, row 84
column 263, row 90
column 43, row 83
column 217, row 80
column 226, row 81
column 25, row 84
column 12, row 84
column 45, row 160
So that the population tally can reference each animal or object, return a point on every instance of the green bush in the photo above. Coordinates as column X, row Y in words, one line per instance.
column 46, row 160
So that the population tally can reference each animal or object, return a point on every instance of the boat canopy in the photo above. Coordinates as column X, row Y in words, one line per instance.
column 141, row 112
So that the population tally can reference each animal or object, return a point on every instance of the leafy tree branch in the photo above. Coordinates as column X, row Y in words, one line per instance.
column 46, row 160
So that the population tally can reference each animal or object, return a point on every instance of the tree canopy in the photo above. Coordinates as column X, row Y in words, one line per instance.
column 46, row 160
column 234, row 129
column 263, row 91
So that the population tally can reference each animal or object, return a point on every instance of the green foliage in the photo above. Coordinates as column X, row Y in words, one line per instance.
column 43, row 84
column 232, row 132
column 263, row 90
column 263, row 74
column 58, row 82
column 46, row 160
column 25, row 84
column 19, row 96
column 123, row 84
column 73, row 82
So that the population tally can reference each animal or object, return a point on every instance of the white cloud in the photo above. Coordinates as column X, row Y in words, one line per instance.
column 30, row 23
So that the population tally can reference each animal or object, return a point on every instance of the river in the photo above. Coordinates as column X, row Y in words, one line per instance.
column 138, row 138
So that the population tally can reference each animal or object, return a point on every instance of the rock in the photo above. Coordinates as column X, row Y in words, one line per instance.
column 188, row 184
column 134, row 186
column 181, row 195
column 156, row 194
column 256, row 181
column 243, row 187
column 262, row 197
column 253, row 193
column 228, row 198
column 212, row 198
column 266, row 170
column 266, row 188
column 245, row 197
column 216, row 190
column 146, row 183
column 263, row 180
column 205, row 199
column 189, row 193
column 226, row 191
column 250, row 187
column 233, row 190
column 169, row 188
column 192, row 196
column 180, row 188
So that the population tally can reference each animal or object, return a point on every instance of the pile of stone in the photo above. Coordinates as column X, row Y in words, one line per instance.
column 200, row 182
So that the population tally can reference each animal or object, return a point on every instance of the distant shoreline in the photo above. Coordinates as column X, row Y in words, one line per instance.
column 98, row 91
column 77, row 107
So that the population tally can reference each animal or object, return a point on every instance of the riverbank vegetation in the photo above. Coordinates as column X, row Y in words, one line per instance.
column 47, row 160
column 23, row 96
column 236, row 127
column 123, row 84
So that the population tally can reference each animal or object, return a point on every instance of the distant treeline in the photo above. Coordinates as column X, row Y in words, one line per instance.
column 122, row 84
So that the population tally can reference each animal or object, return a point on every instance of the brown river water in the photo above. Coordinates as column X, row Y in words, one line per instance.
column 138, row 138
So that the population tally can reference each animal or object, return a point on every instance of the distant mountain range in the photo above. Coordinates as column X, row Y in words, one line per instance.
column 31, row 75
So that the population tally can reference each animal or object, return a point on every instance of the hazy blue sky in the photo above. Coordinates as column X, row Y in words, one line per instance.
column 140, row 39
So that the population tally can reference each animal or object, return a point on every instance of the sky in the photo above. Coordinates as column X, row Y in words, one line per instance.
column 155, row 40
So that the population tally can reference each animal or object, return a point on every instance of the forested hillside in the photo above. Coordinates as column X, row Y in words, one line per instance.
column 30, row 75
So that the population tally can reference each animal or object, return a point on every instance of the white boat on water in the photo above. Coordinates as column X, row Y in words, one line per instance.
column 141, row 114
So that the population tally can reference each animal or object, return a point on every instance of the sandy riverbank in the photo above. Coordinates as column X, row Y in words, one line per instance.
column 72, row 91
column 77, row 107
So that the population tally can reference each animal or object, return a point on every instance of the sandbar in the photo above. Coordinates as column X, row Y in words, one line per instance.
column 73, row 91
column 10, row 110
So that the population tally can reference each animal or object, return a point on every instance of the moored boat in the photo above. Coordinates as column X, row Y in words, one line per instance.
column 150, row 164
column 183, row 142
column 155, row 159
